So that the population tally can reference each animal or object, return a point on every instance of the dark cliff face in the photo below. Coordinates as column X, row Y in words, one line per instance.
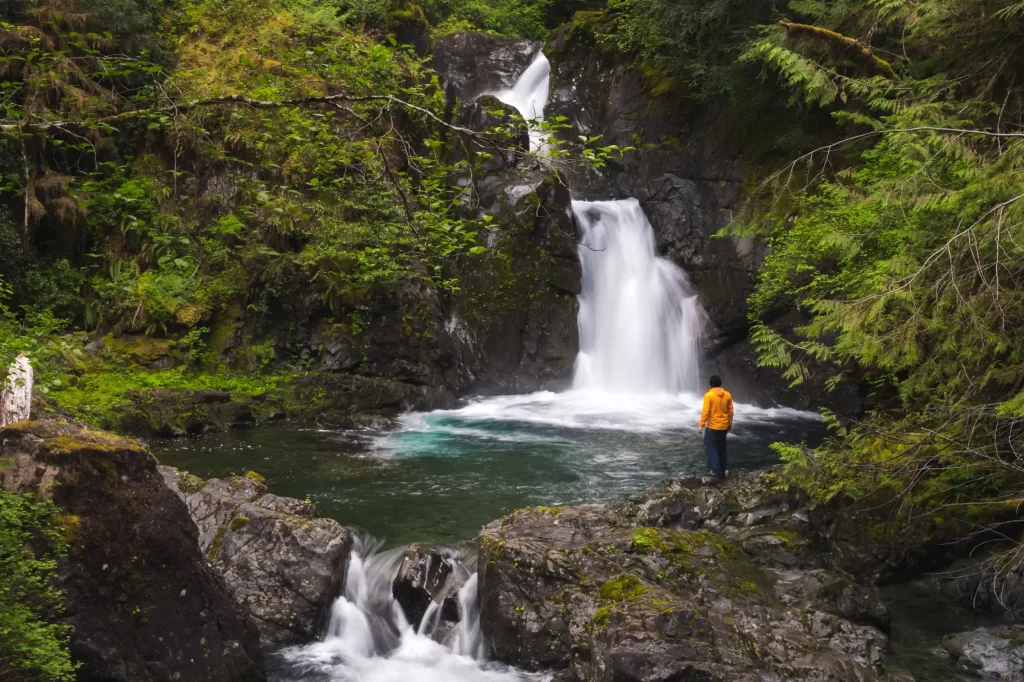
column 474, row 64
column 143, row 602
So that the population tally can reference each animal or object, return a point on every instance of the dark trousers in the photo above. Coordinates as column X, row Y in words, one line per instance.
column 714, row 447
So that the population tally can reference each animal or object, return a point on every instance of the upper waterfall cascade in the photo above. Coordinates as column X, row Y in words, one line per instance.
column 529, row 96
column 640, row 321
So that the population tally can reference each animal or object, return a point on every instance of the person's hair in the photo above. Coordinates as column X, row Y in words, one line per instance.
column 716, row 381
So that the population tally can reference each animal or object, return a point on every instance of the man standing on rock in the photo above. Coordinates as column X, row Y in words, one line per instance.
column 716, row 417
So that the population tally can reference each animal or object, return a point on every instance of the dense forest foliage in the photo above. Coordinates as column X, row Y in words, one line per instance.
column 900, row 241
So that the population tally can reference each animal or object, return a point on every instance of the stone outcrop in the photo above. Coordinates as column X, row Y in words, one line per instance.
column 474, row 64
column 784, row 530
column 282, row 564
column 170, row 412
column 143, row 602
column 587, row 592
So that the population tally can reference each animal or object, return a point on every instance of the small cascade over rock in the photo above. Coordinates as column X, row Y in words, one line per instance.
column 529, row 96
column 640, row 321
column 369, row 638
column 16, row 393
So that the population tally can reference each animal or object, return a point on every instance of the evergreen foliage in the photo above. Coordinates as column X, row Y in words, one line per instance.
column 903, row 247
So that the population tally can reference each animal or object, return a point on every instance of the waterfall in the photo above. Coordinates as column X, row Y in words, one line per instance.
column 369, row 639
column 639, row 319
column 16, row 396
column 529, row 95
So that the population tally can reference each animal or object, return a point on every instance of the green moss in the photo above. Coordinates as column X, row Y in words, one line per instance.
column 218, row 540
column 238, row 523
column 135, row 349
column 625, row 587
column 188, row 483
column 256, row 478
column 789, row 538
column 646, row 541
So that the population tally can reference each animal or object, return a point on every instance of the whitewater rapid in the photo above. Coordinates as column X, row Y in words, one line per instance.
column 369, row 639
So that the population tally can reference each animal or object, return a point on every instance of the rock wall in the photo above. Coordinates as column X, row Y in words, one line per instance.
column 688, row 174
column 143, row 602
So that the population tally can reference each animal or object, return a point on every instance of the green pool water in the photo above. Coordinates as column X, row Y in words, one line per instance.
column 440, row 476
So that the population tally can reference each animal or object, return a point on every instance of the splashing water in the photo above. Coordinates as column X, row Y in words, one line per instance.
column 529, row 96
column 640, row 321
column 369, row 639
column 16, row 396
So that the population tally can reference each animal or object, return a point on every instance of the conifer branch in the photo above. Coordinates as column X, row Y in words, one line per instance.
column 848, row 46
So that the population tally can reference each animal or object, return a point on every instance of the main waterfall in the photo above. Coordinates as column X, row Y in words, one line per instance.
column 640, row 321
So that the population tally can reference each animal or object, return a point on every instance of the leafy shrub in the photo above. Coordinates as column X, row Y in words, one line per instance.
column 31, row 647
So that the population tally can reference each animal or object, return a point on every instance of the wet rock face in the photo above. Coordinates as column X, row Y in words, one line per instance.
column 143, row 602
column 989, row 652
column 281, row 564
column 427, row 587
column 585, row 591
column 426, row 576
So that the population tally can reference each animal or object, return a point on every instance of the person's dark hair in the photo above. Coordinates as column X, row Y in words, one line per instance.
column 716, row 381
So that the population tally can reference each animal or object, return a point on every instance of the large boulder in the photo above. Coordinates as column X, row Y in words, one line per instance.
column 282, row 564
column 993, row 653
column 142, row 601
column 584, row 591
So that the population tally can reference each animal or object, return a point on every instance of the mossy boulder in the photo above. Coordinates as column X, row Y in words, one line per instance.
column 589, row 593
column 143, row 603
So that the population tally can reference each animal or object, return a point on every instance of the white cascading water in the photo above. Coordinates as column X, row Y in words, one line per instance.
column 368, row 638
column 529, row 96
column 16, row 393
column 639, row 319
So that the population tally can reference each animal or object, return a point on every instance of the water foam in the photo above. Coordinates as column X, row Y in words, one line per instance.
column 368, row 638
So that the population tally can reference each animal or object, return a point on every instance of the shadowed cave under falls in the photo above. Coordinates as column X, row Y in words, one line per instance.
column 629, row 420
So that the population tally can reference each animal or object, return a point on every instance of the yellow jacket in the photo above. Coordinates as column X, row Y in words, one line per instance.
column 717, row 413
